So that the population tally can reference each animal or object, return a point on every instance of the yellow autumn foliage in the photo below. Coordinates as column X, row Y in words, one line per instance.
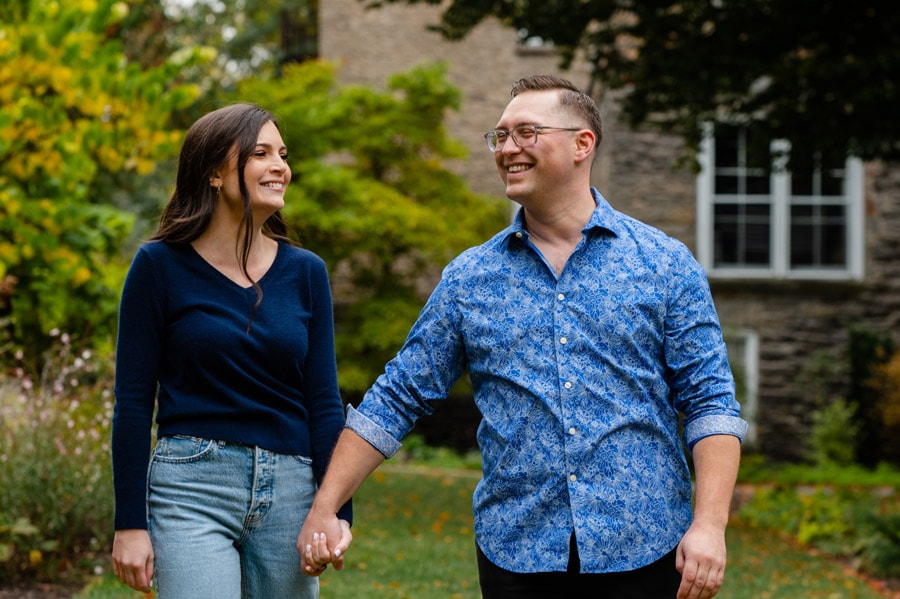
column 76, row 115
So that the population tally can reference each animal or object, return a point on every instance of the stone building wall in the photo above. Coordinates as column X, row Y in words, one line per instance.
column 638, row 172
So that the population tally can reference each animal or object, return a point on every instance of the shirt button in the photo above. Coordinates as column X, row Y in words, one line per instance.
column 518, row 234
column 561, row 297
column 563, row 340
column 572, row 431
column 567, row 385
column 573, row 478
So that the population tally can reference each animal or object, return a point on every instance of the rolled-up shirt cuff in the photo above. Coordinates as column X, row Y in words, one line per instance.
column 714, row 425
column 371, row 432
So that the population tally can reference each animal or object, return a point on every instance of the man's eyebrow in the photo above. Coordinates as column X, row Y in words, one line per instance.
column 526, row 123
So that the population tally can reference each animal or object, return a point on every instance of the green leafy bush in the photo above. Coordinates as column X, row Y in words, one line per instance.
column 879, row 545
column 55, row 480
column 81, row 124
column 833, row 436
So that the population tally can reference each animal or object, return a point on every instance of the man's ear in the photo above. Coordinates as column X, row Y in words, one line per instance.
column 585, row 142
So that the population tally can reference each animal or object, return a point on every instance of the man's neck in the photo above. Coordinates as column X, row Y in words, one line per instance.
column 557, row 231
column 560, row 220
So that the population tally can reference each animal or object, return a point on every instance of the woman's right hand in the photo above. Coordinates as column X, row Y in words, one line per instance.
column 133, row 558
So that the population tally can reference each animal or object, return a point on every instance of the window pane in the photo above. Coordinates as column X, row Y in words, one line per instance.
column 726, row 184
column 818, row 236
column 725, row 244
column 802, row 250
column 834, row 214
column 802, row 211
column 759, row 212
column 727, row 212
column 741, row 235
column 757, row 250
column 758, row 185
column 834, row 245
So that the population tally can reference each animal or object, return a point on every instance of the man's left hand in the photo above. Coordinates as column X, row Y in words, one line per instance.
column 701, row 560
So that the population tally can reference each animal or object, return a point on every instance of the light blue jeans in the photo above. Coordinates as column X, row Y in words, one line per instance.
column 224, row 520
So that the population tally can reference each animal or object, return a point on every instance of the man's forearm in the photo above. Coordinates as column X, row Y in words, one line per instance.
column 352, row 460
column 716, row 462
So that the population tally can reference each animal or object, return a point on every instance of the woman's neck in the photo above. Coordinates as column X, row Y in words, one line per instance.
column 223, row 249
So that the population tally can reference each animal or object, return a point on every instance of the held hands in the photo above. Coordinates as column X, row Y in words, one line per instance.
column 318, row 549
column 133, row 558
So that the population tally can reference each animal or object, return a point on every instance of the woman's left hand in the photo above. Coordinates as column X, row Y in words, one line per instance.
column 316, row 554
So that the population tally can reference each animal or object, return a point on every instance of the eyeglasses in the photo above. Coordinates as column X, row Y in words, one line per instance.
column 523, row 136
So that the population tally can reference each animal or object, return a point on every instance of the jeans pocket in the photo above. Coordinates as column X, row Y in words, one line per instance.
column 303, row 459
column 182, row 449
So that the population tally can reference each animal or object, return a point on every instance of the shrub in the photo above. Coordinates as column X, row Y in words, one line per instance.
column 833, row 436
column 55, row 477
column 879, row 545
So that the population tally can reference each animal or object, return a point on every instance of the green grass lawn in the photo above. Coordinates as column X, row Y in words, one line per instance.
column 413, row 539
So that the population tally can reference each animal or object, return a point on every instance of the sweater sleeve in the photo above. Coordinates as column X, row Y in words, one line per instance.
column 138, row 351
column 326, row 414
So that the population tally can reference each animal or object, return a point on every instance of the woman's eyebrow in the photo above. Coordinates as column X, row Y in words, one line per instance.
column 268, row 145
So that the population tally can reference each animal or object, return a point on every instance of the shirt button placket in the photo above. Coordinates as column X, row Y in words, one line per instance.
column 567, row 384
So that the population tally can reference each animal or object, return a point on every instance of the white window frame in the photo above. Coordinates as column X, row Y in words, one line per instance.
column 780, row 202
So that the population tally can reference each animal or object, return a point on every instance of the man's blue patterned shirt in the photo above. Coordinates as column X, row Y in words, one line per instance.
column 581, row 379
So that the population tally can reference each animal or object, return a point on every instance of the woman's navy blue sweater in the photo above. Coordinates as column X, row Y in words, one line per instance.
column 183, row 343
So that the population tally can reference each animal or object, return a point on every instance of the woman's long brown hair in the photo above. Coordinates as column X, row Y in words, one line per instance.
column 207, row 148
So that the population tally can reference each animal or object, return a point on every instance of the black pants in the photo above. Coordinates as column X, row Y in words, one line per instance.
column 658, row 580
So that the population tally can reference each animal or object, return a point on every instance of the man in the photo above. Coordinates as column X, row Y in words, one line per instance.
column 589, row 338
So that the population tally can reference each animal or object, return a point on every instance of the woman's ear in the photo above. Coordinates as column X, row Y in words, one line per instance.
column 215, row 181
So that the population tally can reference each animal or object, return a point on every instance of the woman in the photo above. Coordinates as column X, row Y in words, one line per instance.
column 226, row 330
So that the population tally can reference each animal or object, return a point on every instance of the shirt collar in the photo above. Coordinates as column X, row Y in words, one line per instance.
column 604, row 217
